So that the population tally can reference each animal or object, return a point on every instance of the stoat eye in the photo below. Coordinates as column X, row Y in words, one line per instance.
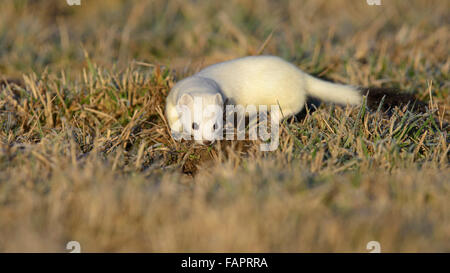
column 215, row 126
column 195, row 126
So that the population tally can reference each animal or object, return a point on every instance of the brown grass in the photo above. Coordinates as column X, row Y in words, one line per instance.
column 85, row 153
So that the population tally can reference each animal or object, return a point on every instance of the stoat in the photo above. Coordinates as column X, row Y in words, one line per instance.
column 252, row 80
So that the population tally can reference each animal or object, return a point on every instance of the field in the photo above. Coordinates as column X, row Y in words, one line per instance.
column 86, row 154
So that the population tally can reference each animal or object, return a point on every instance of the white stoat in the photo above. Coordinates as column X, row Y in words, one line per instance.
column 253, row 80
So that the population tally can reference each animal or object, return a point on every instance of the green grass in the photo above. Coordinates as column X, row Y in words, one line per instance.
column 86, row 155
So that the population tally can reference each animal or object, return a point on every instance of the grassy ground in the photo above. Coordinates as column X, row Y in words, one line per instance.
column 85, row 152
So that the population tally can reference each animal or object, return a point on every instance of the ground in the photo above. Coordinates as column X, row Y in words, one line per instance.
column 86, row 155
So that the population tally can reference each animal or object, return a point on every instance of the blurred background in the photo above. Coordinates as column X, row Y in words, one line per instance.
column 38, row 34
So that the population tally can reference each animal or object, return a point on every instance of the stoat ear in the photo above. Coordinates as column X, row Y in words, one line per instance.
column 218, row 99
column 185, row 99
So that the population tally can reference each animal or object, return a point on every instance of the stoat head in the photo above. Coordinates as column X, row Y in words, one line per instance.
column 201, row 116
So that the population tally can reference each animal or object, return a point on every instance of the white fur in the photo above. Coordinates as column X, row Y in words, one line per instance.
column 258, row 80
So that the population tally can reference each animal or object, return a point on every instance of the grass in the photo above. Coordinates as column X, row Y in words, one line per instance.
column 85, row 152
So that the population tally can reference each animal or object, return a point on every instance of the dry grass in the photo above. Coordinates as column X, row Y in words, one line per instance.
column 85, row 152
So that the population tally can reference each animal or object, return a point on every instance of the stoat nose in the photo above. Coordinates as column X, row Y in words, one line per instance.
column 205, row 142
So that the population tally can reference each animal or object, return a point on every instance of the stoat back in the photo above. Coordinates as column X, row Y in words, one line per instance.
column 270, row 80
column 259, row 80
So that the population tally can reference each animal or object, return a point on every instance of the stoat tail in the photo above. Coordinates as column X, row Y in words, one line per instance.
column 333, row 92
